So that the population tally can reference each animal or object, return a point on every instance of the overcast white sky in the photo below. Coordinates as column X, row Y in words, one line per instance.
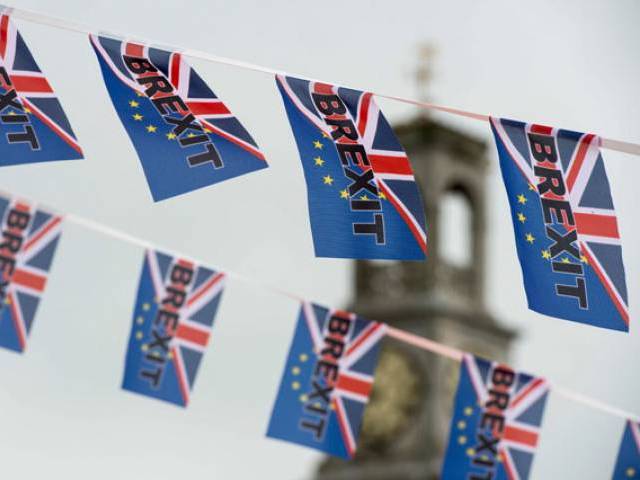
column 572, row 64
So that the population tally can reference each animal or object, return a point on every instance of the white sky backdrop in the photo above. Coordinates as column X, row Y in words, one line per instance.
column 572, row 64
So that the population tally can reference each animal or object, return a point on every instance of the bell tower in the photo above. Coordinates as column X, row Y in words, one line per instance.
column 406, row 424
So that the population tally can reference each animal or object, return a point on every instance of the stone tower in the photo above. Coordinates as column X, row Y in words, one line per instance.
column 406, row 424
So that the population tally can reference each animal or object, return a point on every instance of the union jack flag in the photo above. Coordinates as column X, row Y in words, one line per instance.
column 579, row 204
column 485, row 446
column 321, row 406
column 174, row 313
column 167, row 149
column 338, row 200
column 628, row 461
column 29, row 240
column 37, row 129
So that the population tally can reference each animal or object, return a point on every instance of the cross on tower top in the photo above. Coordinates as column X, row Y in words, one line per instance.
column 424, row 70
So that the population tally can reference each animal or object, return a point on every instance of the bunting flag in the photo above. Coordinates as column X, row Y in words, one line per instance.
column 29, row 240
column 185, row 137
column 565, row 224
column 363, row 198
column 628, row 462
column 36, row 128
column 175, row 308
column 496, row 422
column 327, row 380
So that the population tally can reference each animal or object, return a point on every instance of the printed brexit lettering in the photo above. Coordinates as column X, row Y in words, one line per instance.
column 29, row 241
column 175, row 309
column 37, row 129
column 362, row 195
column 496, row 422
column 327, row 380
column 565, row 224
column 185, row 136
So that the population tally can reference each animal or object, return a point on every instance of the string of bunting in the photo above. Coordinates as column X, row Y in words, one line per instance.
column 363, row 203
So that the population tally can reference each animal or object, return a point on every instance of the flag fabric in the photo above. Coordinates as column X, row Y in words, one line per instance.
column 185, row 136
column 362, row 195
column 327, row 380
column 496, row 422
column 35, row 127
column 628, row 462
column 30, row 236
column 175, row 308
column 565, row 224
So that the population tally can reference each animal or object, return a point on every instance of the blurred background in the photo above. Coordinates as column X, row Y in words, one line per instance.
column 572, row 64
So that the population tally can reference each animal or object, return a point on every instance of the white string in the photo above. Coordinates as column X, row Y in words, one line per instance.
column 30, row 16
column 401, row 335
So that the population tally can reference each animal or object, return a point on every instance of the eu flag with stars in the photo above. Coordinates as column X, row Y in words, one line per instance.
column 174, row 312
column 363, row 198
column 565, row 225
column 33, row 124
column 628, row 461
column 327, row 380
column 30, row 237
column 496, row 422
column 185, row 136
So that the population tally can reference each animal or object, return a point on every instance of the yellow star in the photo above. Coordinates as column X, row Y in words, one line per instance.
column 468, row 411
column 303, row 357
column 170, row 355
column 133, row 104
column 546, row 254
column 137, row 116
column 140, row 320
column 139, row 335
column 325, row 135
column 7, row 301
column 317, row 144
column 462, row 439
column 319, row 161
column 12, row 113
column 146, row 306
column 206, row 130
column 565, row 260
column 521, row 217
column 151, row 128
column 140, row 94
column 171, row 136
column 328, row 180
column 27, row 110
column 529, row 238
column 471, row 452
column 303, row 398
column 382, row 196
column 630, row 472
column 144, row 347
column 190, row 135
column 364, row 197
column 462, row 424
column 532, row 187
column 295, row 385
column 344, row 193
column 295, row 370
column 522, row 199
column 584, row 259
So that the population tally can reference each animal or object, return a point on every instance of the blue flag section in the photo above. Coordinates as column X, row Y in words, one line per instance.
column 29, row 240
column 362, row 195
column 185, row 137
column 496, row 422
column 33, row 126
column 175, row 308
column 628, row 462
column 565, row 224
column 327, row 380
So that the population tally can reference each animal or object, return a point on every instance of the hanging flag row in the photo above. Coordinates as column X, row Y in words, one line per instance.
column 329, row 372
column 363, row 199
